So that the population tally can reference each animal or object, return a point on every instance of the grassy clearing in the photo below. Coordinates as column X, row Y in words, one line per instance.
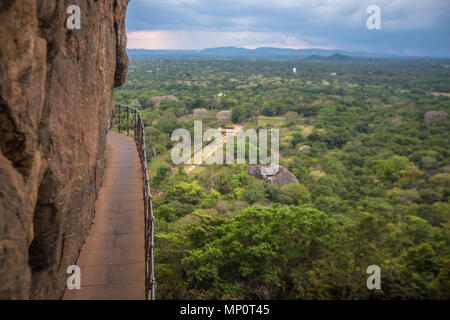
column 200, row 113
column 436, row 94
column 155, row 164
column 270, row 121
column 198, row 170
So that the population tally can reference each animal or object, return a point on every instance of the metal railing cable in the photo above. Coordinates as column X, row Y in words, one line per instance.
column 139, row 138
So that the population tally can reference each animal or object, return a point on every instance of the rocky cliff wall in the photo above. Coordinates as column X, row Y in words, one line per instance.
column 56, row 90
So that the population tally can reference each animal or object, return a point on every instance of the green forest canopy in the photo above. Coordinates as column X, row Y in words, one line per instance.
column 374, row 180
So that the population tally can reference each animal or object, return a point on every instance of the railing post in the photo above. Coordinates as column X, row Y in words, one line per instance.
column 120, row 107
column 152, row 252
column 146, row 235
column 128, row 121
column 135, row 124
column 111, row 122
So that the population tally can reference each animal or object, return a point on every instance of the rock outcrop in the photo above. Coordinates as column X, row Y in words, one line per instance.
column 272, row 174
column 157, row 100
column 435, row 116
column 56, row 90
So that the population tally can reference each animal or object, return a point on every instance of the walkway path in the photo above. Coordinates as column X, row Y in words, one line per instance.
column 112, row 261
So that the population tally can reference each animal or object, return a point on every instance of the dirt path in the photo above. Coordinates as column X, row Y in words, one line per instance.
column 112, row 260
column 236, row 128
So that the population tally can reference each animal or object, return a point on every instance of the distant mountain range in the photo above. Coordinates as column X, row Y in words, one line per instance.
column 268, row 53
column 336, row 57
column 256, row 53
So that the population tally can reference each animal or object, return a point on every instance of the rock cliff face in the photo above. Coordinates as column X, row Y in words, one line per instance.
column 56, row 90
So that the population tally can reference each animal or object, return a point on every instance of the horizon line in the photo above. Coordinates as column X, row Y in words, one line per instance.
column 299, row 49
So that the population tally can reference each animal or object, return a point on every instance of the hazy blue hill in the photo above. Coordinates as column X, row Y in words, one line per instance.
column 337, row 57
column 225, row 51
column 161, row 54
column 263, row 52
column 282, row 54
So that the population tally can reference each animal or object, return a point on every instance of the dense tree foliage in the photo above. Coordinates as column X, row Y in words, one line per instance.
column 374, row 179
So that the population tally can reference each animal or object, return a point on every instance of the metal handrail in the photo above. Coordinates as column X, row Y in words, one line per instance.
column 139, row 138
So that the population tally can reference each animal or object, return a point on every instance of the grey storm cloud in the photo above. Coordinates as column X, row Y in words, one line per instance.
column 417, row 27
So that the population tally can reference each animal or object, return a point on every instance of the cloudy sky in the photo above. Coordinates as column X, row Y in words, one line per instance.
column 411, row 27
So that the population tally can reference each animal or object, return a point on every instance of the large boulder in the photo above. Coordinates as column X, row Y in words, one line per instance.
column 56, row 90
column 272, row 174
column 435, row 116
column 157, row 100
